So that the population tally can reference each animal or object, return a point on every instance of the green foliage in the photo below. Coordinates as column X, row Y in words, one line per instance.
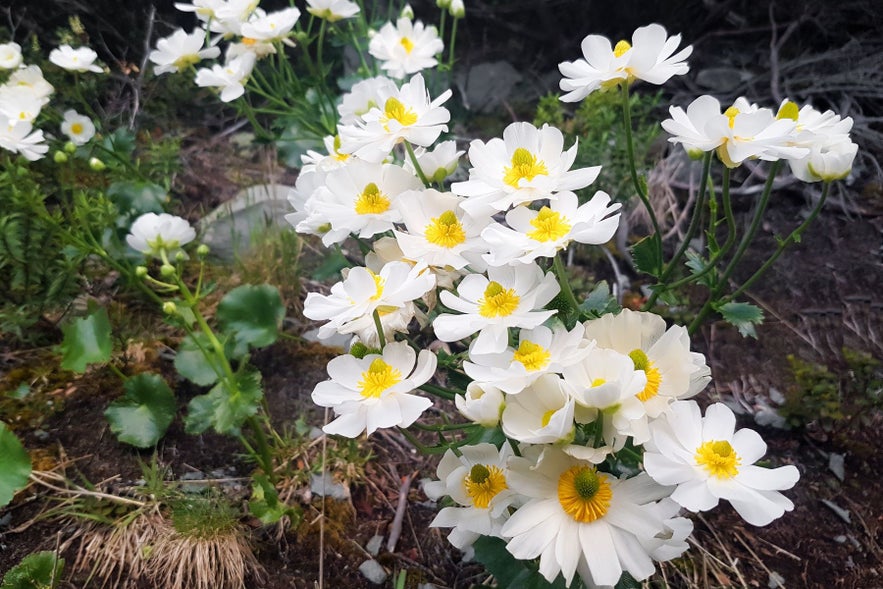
column 645, row 255
column 143, row 414
column 40, row 570
column 196, row 360
column 205, row 517
column 815, row 396
column 15, row 465
column 226, row 407
column 742, row 315
column 599, row 301
column 509, row 572
column 253, row 313
column 86, row 341
column 266, row 506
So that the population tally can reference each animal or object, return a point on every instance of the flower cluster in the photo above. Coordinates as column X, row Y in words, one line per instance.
column 25, row 93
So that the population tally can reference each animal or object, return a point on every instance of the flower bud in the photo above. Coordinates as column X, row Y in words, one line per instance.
column 169, row 308
column 407, row 12
column 70, row 147
column 96, row 164
column 141, row 271
column 60, row 157
column 457, row 9
column 167, row 270
column 180, row 256
column 202, row 251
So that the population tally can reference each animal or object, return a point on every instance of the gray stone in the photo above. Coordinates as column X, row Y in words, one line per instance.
column 373, row 571
column 838, row 511
column 228, row 230
column 487, row 85
column 327, row 487
column 837, row 466
column 776, row 580
column 374, row 544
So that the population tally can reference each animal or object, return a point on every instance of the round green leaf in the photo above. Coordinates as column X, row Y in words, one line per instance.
column 254, row 313
column 143, row 414
column 86, row 341
column 15, row 465
column 195, row 365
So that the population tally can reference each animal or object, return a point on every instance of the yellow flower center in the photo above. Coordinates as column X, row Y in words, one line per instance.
column 77, row 129
column 549, row 226
column 379, row 377
column 788, row 110
column 598, row 382
column 186, row 61
column 524, row 166
column 731, row 114
column 654, row 378
column 584, row 494
column 394, row 109
column 372, row 201
column 248, row 41
column 532, row 356
column 445, row 230
column 484, row 483
column 497, row 301
column 547, row 417
column 407, row 44
column 719, row 459
column 621, row 48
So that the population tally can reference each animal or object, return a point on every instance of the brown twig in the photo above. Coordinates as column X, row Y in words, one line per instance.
column 395, row 530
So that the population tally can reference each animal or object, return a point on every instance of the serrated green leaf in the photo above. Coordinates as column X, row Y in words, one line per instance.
column 226, row 407
column 40, row 570
column 143, row 414
column 599, row 301
column 253, row 312
column 742, row 315
column 265, row 505
column 697, row 264
column 646, row 255
column 86, row 341
column 202, row 368
column 15, row 465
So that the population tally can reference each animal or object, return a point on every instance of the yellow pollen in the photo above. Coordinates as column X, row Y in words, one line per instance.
column 621, row 47
column 719, row 459
column 379, row 377
column 532, row 356
column 549, row 226
column 248, row 41
column 372, row 201
column 731, row 113
column 654, row 378
column 407, row 44
column 484, row 483
column 497, row 301
column 788, row 110
column 584, row 494
column 445, row 230
column 394, row 109
column 598, row 382
column 77, row 128
column 524, row 166
column 547, row 417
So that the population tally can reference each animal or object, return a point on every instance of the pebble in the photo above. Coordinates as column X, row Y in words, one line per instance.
column 327, row 487
column 836, row 465
column 373, row 571
column 374, row 544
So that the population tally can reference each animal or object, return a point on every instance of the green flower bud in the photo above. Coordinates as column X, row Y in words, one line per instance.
column 141, row 271
column 167, row 270
column 60, row 157
column 70, row 147
column 202, row 250
column 169, row 308
column 96, row 164
column 180, row 256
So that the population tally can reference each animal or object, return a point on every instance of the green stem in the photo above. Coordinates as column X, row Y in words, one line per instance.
column 453, row 43
column 639, row 188
column 417, row 167
column 451, row 427
column 379, row 326
column 561, row 275
column 439, row 391
column 118, row 372
column 794, row 237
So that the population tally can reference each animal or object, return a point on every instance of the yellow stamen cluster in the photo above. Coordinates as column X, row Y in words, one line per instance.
column 549, row 226
column 393, row 109
column 379, row 377
column 484, row 483
column 719, row 459
column 524, row 166
column 731, row 114
column 654, row 378
column 378, row 285
column 77, row 128
column 584, row 494
column 532, row 356
column 788, row 110
column 407, row 44
column 445, row 230
column 372, row 201
column 498, row 301
column 547, row 417
column 621, row 48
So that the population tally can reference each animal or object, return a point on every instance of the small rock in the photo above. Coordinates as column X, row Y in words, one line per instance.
column 41, row 435
column 835, row 465
column 4, row 521
column 193, row 488
column 840, row 539
column 488, row 85
column 373, row 571
column 374, row 544
column 338, row 340
column 838, row 511
column 776, row 580
column 776, row 396
column 327, row 487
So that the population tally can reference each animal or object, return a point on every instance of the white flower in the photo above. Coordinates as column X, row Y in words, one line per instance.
column 708, row 460
column 230, row 77
column 205, row 10
column 476, row 481
column 16, row 136
column 540, row 414
column 406, row 47
column 180, row 50
column 509, row 296
column 229, row 16
column 20, row 102
column 581, row 520
column 438, row 231
column 151, row 234
column 826, row 135
column 360, row 198
column 10, row 56
column 332, row 159
column 527, row 164
column 407, row 114
column 673, row 371
column 332, row 10
column 482, row 404
column 364, row 96
column 352, row 302
column 374, row 392
column 81, row 59
column 826, row 163
column 540, row 351
column 78, row 128
column 532, row 234
column 649, row 57
column 437, row 164
column 693, row 129
column 31, row 77
column 271, row 26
